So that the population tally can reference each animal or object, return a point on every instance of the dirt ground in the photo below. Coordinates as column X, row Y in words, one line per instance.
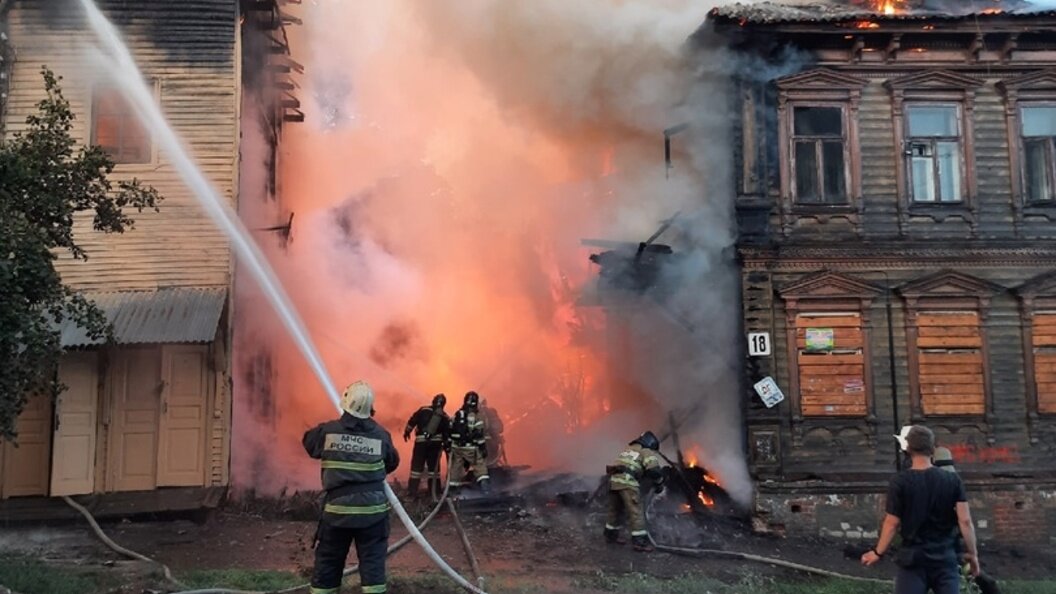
column 550, row 544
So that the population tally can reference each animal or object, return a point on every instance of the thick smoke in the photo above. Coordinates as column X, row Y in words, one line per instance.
column 453, row 157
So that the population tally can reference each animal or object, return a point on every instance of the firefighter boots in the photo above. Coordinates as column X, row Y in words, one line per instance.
column 613, row 536
column 641, row 543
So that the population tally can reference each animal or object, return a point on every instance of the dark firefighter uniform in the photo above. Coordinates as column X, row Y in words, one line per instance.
column 356, row 455
column 431, row 426
column 494, row 440
column 639, row 459
column 469, row 448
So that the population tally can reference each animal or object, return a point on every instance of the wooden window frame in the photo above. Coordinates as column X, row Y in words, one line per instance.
column 793, row 169
column 1037, row 88
column 910, row 140
column 152, row 158
column 828, row 291
column 939, row 87
column 948, row 291
column 820, row 87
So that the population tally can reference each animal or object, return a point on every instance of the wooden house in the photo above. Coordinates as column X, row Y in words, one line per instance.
column 153, row 410
column 896, row 209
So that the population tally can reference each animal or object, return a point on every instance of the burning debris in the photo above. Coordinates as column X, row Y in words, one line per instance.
column 633, row 268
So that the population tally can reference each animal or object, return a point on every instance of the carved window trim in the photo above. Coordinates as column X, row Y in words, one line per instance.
column 1036, row 295
column 948, row 291
column 828, row 291
column 1035, row 88
column 935, row 87
column 820, row 87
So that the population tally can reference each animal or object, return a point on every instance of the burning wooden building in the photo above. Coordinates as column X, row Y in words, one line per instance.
column 896, row 203
column 154, row 409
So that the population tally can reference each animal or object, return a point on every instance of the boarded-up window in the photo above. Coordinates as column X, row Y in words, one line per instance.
column 1045, row 360
column 950, row 361
column 831, row 364
column 116, row 129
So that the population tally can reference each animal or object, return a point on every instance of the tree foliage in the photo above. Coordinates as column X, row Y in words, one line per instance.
column 46, row 180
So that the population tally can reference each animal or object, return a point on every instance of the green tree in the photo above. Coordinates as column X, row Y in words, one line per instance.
column 46, row 180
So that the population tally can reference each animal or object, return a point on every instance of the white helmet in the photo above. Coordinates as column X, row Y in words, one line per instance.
column 358, row 400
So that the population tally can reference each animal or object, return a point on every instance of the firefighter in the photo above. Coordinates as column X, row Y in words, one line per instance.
column 468, row 445
column 356, row 455
column 639, row 459
column 431, row 426
column 494, row 439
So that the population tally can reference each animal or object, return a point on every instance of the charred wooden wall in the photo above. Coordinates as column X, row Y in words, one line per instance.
column 990, row 250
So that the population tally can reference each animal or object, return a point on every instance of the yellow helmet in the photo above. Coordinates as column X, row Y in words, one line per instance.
column 358, row 400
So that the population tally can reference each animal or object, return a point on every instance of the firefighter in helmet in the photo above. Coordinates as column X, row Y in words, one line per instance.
column 356, row 455
column 640, row 459
column 468, row 445
column 431, row 426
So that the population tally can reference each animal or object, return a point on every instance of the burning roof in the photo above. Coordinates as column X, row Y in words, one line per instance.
column 898, row 10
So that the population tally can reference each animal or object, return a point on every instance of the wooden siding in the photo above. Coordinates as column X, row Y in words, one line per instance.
column 188, row 50
column 862, row 446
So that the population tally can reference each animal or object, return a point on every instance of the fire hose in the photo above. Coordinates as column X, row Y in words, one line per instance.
column 416, row 535
column 695, row 552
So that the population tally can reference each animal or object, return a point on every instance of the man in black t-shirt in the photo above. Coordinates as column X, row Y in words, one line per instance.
column 928, row 507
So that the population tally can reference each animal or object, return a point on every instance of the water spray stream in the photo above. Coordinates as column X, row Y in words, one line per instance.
column 126, row 74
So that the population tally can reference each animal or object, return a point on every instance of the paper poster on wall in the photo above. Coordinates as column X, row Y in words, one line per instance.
column 820, row 339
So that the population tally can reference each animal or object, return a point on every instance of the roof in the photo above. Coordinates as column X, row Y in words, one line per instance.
column 821, row 12
column 151, row 317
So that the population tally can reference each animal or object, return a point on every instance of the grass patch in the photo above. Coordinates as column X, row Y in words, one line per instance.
column 240, row 579
column 29, row 576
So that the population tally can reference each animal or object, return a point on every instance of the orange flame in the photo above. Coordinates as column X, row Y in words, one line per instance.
column 889, row 7
column 866, row 25
column 685, row 508
column 710, row 479
column 707, row 501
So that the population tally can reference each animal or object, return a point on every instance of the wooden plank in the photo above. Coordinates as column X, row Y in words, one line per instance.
column 951, row 399
column 949, row 331
column 813, row 370
column 806, row 321
column 936, row 342
column 948, row 319
column 954, row 369
column 1044, row 340
column 844, row 344
column 1047, row 377
column 950, row 358
column 816, row 410
column 810, row 359
column 1046, row 388
column 975, row 377
column 1044, row 320
column 837, row 332
column 967, row 390
column 954, row 409
column 834, row 380
column 832, row 398
column 1043, row 365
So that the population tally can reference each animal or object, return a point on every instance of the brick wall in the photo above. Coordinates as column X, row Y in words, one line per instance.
column 1012, row 514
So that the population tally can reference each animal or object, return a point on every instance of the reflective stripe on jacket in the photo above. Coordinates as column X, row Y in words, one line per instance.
column 468, row 429
column 636, row 461
column 355, row 455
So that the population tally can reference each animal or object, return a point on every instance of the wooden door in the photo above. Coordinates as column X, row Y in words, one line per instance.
column 135, row 380
column 182, row 439
column 25, row 469
column 76, row 415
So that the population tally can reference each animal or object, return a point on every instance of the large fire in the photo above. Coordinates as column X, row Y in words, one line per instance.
column 451, row 162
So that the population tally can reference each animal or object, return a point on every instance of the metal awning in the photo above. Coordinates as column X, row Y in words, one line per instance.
column 152, row 317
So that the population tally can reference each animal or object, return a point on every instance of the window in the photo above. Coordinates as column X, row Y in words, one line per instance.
column 1038, row 127
column 951, row 377
column 818, row 151
column 831, row 363
column 116, row 129
column 1044, row 347
column 934, row 153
